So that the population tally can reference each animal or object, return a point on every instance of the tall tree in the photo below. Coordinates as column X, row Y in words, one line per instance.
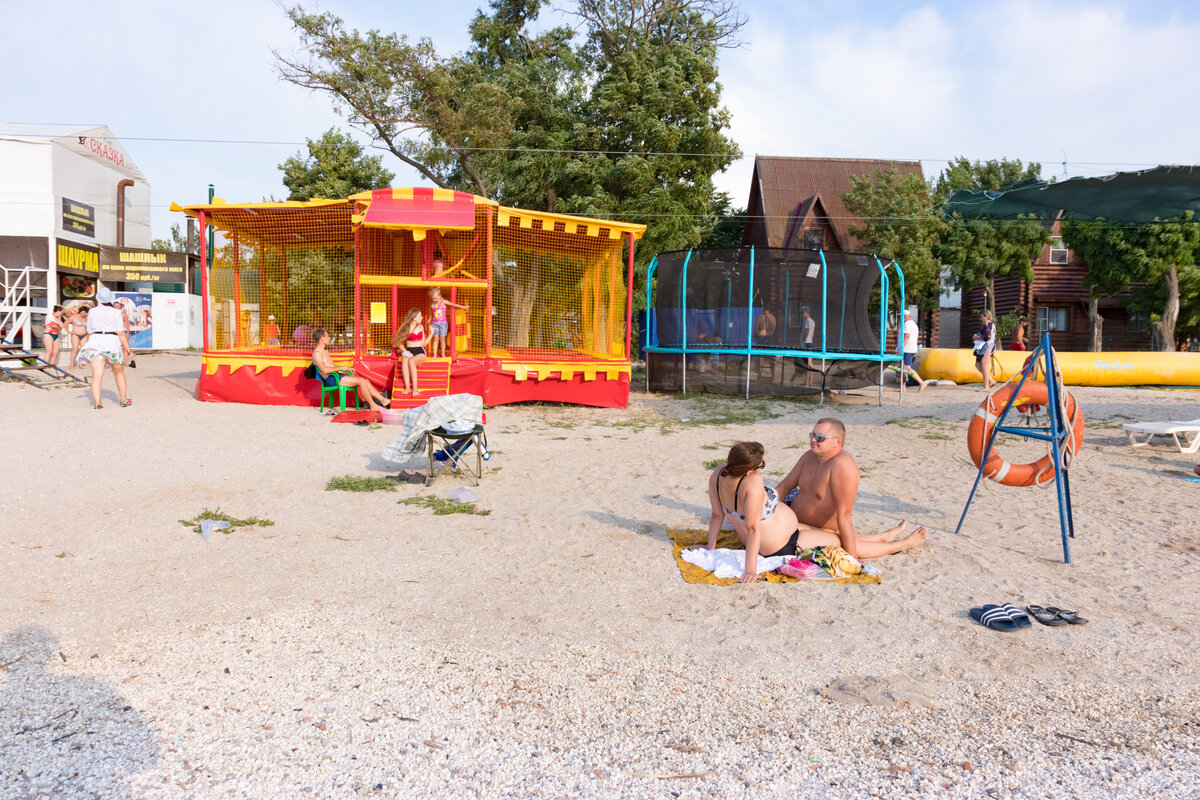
column 1155, row 254
column 335, row 167
column 981, row 250
column 897, row 221
column 622, row 119
column 1103, row 246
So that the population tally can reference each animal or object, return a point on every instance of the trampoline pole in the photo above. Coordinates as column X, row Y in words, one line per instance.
column 750, row 325
column 683, row 315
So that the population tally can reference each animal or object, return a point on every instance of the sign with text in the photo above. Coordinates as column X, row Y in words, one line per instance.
column 135, row 307
column 141, row 266
column 77, row 259
column 78, row 218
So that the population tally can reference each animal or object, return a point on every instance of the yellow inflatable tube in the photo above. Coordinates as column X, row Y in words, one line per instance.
column 1078, row 369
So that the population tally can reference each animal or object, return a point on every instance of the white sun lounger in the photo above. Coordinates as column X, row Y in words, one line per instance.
column 1140, row 433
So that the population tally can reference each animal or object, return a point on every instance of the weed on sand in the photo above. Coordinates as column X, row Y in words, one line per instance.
column 220, row 516
column 441, row 506
column 360, row 483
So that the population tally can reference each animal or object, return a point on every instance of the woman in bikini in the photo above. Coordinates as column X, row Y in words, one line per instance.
column 410, row 339
column 51, row 332
column 765, row 525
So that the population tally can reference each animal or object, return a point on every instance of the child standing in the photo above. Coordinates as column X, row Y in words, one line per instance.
column 439, row 325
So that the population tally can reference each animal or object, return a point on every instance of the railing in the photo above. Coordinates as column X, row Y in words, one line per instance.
column 16, row 311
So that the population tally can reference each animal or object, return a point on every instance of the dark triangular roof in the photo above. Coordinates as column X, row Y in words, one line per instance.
column 786, row 190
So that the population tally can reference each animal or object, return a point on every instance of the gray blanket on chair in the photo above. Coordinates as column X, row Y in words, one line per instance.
column 417, row 422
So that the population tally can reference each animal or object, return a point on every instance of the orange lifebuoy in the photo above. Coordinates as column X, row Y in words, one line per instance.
column 983, row 424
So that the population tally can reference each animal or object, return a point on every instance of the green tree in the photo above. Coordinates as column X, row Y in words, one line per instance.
column 1103, row 246
column 620, row 119
column 981, row 250
column 176, row 244
column 730, row 224
column 335, row 167
column 897, row 221
column 1156, row 254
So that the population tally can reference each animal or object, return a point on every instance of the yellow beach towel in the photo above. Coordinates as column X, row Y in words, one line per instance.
column 728, row 539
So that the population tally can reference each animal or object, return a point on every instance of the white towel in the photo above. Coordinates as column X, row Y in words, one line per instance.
column 730, row 563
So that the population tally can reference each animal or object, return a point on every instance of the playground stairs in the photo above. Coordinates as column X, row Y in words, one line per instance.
column 433, row 379
column 23, row 365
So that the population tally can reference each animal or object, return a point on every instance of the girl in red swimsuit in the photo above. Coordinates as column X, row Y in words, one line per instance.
column 410, row 336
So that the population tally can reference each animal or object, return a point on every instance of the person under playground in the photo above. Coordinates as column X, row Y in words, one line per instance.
column 331, row 375
column 821, row 490
column 808, row 335
column 439, row 324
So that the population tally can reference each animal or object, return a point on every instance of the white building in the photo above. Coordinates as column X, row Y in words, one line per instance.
column 65, row 190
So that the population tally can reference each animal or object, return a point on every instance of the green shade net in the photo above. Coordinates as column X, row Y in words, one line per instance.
column 1162, row 193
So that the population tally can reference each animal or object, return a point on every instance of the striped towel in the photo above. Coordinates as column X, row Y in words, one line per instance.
column 416, row 423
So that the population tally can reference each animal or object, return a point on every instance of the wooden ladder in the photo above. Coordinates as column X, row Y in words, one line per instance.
column 33, row 370
column 433, row 380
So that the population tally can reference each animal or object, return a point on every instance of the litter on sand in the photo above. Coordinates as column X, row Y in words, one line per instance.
column 463, row 496
column 207, row 526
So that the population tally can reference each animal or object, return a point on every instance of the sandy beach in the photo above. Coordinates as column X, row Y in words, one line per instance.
column 550, row 648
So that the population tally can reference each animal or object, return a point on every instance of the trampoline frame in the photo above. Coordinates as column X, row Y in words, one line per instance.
column 824, row 354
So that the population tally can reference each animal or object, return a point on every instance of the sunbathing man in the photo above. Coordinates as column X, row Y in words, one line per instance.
column 823, row 486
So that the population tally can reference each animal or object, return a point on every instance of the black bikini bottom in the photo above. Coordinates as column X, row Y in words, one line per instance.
column 788, row 549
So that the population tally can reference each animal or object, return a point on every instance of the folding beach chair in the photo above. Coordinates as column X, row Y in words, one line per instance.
column 1140, row 433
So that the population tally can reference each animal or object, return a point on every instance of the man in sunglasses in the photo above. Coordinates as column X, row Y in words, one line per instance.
column 823, row 486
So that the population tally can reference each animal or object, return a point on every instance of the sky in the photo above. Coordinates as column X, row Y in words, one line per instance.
column 192, row 93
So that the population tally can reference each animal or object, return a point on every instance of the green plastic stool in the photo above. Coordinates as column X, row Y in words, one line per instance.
column 340, row 390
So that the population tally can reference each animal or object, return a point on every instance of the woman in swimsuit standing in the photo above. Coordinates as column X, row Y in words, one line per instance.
column 412, row 338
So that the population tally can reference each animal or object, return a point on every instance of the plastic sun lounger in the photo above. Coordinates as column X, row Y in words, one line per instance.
column 1140, row 433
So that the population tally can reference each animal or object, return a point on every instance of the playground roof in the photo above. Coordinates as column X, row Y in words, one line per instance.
column 300, row 223
column 289, row 223
column 783, row 185
column 1162, row 192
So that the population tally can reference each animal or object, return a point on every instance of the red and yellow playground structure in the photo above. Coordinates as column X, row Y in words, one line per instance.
column 548, row 297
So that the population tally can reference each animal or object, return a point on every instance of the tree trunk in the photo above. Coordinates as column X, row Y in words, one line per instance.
column 1171, row 310
column 1097, row 322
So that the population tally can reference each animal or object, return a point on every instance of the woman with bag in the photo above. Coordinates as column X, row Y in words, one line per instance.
column 985, row 344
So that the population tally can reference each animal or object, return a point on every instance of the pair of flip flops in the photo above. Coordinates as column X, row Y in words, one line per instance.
column 1001, row 618
column 1055, row 616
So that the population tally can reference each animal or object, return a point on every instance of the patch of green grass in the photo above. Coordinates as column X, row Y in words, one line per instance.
column 554, row 423
column 221, row 516
column 710, row 410
column 561, row 438
column 912, row 422
column 937, row 436
column 716, row 462
column 441, row 506
column 711, row 447
column 360, row 483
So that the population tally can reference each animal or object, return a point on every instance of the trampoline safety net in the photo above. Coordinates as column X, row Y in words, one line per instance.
column 800, row 321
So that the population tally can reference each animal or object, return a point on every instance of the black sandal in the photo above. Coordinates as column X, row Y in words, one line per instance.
column 1046, row 616
column 1068, row 617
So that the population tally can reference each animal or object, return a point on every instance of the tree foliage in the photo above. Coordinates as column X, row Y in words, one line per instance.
column 980, row 250
column 1161, row 255
column 335, row 167
column 620, row 118
column 898, row 222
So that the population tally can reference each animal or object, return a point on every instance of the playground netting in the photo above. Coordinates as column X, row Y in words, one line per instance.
column 538, row 287
column 768, row 320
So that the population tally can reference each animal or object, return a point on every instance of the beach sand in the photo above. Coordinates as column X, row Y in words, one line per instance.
column 550, row 648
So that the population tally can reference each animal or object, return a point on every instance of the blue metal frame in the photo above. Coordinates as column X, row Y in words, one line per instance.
column 823, row 353
column 1056, row 433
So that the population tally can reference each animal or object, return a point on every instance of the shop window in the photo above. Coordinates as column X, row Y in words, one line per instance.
column 1051, row 319
column 1139, row 322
